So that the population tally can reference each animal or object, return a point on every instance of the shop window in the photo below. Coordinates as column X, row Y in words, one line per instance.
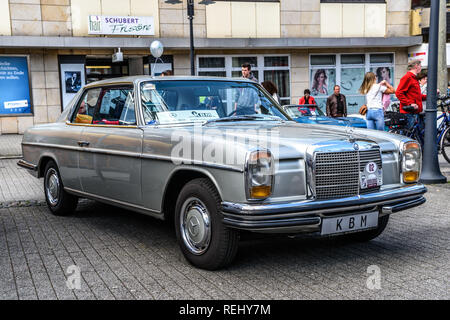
column 347, row 71
column 211, row 62
column 274, row 68
column 382, row 58
column 237, row 62
column 352, row 59
column 323, row 60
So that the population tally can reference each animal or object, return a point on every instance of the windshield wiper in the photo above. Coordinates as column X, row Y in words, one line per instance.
column 242, row 118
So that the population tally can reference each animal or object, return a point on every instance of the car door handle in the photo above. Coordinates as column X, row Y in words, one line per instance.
column 83, row 143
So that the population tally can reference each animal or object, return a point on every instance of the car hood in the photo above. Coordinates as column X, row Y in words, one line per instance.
column 354, row 121
column 286, row 140
column 321, row 120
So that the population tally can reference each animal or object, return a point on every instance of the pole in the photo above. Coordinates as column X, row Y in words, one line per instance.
column 431, row 172
column 190, row 11
column 442, row 60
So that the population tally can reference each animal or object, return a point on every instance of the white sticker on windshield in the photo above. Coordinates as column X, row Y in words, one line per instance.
column 187, row 116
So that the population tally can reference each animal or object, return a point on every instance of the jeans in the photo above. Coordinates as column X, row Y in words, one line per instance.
column 411, row 118
column 375, row 119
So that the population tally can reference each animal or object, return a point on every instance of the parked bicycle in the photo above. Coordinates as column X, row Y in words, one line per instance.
column 396, row 123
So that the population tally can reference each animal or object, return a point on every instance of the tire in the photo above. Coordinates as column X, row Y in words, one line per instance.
column 58, row 200
column 368, row 235
column 445, row 145
column 207, row 243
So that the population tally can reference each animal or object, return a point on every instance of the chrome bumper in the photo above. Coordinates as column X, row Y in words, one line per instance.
column 307, row 215
column 27, row 165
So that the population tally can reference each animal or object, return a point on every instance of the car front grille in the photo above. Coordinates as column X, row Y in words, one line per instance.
column 337, row 173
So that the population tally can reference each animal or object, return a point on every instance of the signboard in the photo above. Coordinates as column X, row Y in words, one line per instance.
column 421, row 53
column 124, row 26
column 15, row 95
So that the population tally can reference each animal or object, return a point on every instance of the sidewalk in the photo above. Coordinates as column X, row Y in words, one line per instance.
column 10, row 145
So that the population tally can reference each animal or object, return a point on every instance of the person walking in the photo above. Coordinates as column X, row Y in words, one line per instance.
column 336, row 104
column 374, row 100
column 409, row 93
column 307, row 98
column 272, row 89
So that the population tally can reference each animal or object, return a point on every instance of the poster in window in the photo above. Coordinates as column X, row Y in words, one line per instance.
column 384, row 73
column 15, row 95
column 322, row 81
column 73, row 81
column 351, row 80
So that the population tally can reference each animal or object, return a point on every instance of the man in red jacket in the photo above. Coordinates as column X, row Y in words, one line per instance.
column 409, row 93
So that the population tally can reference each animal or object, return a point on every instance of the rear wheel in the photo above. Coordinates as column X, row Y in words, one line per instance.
column 368, row 235
column 204, row 240
column 58, row 200
column 445, row 145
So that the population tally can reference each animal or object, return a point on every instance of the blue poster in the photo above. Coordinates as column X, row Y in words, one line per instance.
column 14, row 86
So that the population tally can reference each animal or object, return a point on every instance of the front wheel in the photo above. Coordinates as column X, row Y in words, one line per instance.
column 58, row 200
column 204, row 240
column 445, row 145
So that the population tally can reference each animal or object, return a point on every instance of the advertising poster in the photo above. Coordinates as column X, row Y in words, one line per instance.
column 351, row 80
column 385, row 73
column 15, row 95
column 322, row 81
column 72, row 80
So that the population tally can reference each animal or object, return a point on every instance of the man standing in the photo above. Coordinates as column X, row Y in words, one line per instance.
column 247, row 72
column 247, row 101
column 409, row 93
column 336, row 104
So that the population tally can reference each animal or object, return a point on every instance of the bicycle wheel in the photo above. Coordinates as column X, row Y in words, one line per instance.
column 445, row 144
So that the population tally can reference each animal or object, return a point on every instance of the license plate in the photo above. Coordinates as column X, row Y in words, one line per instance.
column 350, row 223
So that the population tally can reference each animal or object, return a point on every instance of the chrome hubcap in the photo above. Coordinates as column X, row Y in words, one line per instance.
column 52, row 189
column 195, row 226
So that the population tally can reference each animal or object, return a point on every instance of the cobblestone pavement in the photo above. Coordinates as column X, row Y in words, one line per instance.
column 125, row 255
column 17, row 184
column 10, row 145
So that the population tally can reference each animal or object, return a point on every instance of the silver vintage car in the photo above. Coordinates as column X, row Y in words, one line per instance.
column 217, row 156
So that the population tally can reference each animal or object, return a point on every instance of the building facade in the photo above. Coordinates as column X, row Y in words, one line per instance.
column 50, row 48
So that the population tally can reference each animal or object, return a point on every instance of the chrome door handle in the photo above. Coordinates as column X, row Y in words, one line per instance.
column 83, row 143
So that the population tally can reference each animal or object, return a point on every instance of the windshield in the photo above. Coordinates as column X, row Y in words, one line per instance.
column 178, row 101
column 296, row 111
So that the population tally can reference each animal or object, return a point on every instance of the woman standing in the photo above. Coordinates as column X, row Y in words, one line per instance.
column 374, row 99
column 272, row 89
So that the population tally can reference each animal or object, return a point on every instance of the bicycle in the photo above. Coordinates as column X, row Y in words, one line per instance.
column 417, row 132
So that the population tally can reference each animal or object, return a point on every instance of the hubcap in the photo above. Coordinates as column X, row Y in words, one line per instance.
column 52, row 189
column 195, row 226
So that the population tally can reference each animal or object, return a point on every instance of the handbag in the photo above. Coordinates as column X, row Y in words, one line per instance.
column 363, row 110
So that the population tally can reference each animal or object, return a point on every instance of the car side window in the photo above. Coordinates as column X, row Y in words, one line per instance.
column 86, row 106
column 116, row 107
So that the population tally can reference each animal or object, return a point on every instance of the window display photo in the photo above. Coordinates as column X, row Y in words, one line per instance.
column 323, row 81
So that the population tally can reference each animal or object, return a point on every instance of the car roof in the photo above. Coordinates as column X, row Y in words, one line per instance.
column 135, row 79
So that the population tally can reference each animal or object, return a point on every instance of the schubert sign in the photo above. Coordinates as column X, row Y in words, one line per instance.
column 114, row 25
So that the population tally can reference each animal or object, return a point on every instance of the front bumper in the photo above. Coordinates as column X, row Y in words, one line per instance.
column 306, row 215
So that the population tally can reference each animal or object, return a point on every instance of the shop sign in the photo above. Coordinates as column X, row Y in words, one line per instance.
column 115, row 25
column 421, row 53
column 14, row 85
